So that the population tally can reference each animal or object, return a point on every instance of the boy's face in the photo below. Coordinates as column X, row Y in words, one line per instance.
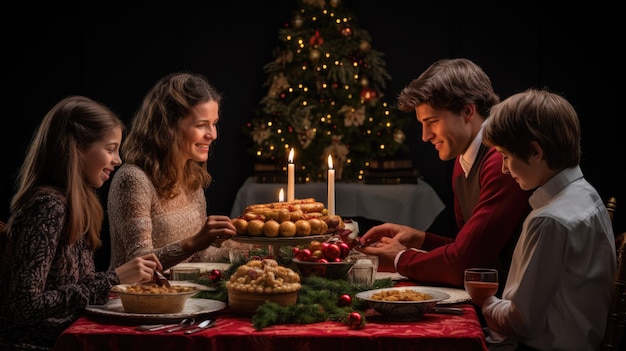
column 528, row 174
column 450, row 133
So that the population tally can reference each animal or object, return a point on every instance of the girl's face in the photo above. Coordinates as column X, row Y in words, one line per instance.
column 198, row 131
column 101, row 158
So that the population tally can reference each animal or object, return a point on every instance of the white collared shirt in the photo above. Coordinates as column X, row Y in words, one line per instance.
column 558, row 291
column 467, row 159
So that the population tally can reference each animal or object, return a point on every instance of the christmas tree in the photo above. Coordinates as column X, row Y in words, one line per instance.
column 326, row 97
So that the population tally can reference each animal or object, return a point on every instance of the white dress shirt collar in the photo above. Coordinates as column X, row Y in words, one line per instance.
column 467, row 159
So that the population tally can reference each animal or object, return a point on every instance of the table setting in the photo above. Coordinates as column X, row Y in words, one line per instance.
column 310, row 290
column 328, row 313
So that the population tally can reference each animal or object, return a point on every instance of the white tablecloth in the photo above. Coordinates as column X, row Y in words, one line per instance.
column 415, row 205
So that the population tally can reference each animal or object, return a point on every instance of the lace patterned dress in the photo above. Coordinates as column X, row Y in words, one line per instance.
column 45, row 285
column 140, row 222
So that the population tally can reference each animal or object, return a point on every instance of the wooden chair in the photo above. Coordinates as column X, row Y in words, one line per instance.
column 616, row 321
column 611, row 206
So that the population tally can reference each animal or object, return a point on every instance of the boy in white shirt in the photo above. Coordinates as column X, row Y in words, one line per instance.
column 558, row 292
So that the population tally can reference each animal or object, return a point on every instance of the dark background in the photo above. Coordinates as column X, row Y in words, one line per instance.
column 114, row 52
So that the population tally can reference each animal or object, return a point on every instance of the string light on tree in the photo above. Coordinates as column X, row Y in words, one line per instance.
column 324, row 76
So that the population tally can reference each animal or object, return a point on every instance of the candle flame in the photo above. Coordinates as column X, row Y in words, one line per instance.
column 291, row 156
column 281, row 195
column 330, row 162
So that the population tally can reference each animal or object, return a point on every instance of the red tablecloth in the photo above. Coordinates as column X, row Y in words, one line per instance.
column 233, row 332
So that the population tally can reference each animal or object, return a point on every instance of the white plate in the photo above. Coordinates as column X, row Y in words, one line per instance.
column 404, row 310
column 456, row 295
column 193, row 307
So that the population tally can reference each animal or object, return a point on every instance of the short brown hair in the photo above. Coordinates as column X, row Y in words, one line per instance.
column 536, row 115
column 450, row 84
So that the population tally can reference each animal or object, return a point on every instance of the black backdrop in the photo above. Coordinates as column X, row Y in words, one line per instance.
column 115, row 52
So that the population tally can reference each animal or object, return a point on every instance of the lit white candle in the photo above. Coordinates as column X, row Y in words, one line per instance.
column 281, row 195
column 331, row 187
column 290, row 178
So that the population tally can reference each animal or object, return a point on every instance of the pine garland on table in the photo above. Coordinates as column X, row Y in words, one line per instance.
column 319, row 300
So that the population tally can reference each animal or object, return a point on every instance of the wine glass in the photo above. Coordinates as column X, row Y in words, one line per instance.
column 480, row 283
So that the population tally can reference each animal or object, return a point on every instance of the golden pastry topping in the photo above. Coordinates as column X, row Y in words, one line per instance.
column 401, row 295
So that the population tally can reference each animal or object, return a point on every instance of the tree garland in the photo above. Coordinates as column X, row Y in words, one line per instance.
column 319, row 300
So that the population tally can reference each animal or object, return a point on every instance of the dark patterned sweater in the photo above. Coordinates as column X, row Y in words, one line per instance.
column 45, row 286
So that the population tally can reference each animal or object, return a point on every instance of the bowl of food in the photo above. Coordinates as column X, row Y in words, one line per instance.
column 258, row 281
column 407, row 303
column 154, row 299
column 324, row 269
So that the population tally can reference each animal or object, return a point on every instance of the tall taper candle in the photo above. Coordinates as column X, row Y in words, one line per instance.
column 290, row 178
column 331, row 187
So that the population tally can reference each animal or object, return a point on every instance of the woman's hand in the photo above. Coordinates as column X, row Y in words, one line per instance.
column 215, row 230
column 139, row 269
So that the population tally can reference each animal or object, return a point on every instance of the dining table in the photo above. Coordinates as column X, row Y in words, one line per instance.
column 232, row 331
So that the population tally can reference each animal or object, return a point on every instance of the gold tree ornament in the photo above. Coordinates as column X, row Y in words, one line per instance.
column 326, row 96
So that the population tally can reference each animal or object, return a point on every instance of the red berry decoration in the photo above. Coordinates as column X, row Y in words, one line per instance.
column 345, row 300
column 215, row 275
column 345, row 249
column 331, row 251
column 304, row 254
column 354, row 320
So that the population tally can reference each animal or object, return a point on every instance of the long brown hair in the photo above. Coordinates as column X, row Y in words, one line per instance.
column 152, row 141
column 53, row 159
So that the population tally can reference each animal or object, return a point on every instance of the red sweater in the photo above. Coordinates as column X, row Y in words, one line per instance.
column 492, row 229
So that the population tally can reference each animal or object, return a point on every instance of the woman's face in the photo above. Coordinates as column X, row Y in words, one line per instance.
column 101, row 158
column 198, row 131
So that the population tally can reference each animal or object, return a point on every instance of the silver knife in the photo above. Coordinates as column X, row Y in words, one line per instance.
column 201, row 326
column 448, row 310
column 153, row 327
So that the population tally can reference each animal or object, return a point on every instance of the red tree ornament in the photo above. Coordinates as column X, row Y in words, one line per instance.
column 215, row 275
column 355, row 320
column 368, row 94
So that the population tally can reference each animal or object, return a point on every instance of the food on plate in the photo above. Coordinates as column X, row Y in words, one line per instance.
column 303, row 217
column 401, row 295
column 270, row 228
column 303, row 227
column 264, row 277
column 241, row 225
column 156, row 289
column 287, row 229
column 255, row 227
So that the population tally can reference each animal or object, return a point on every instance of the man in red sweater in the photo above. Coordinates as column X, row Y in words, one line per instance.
column 452, row 100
